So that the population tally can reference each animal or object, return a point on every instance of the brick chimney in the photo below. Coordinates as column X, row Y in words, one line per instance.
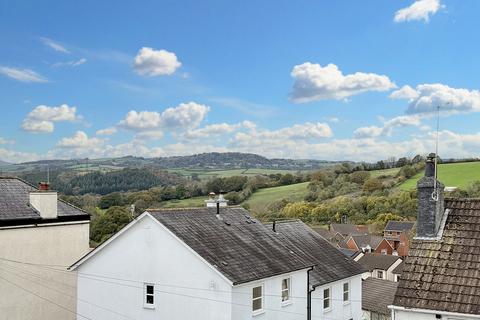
column 44, row 201
column 430, row 201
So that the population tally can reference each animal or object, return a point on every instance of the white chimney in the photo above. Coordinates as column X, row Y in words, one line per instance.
column 45, row 202
column 212, row 201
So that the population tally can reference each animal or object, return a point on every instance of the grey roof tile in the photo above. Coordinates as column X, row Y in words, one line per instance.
column 14, row 202
column 240, row 247
column 373, row 261
column 444, row 274
column 378, row 294
column 399, row 226
column 331, row 264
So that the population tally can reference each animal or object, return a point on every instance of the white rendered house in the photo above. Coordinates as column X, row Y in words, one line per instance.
column 197, row 264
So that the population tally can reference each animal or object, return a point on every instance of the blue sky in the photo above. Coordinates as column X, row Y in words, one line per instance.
column 299, row 79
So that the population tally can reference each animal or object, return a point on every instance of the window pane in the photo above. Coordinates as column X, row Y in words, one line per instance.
column 285, row 284
column 345, row 286
column 326, row 293
column 345, row 296
column 285, row 295
column 257, row 292
column 326, row 303
column 149, row 289
column 257, row 304
column 149, row 299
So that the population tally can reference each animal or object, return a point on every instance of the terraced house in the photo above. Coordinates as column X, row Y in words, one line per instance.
column 40, row 236
column 217, row 263
column 441, row 274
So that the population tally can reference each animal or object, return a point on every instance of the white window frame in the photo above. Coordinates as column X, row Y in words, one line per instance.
column 329, row 298
column 378, row 274
column 145, row 295
column 288, row 289
column 347, row 292
column 261, row 298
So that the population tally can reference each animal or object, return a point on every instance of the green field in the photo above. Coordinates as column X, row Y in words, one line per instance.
column 384, row 172
column 451, row 175
column 259, row 200
column 206, row 174
column 185, row 203
column 262, row 198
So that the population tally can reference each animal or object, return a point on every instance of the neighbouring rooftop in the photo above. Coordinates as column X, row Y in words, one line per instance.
column 378, row 294
column 372, row 261
column 444, row 274
column 15, row 207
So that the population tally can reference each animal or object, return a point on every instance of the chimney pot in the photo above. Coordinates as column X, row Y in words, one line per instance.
column 430, row 165
column 43, row 186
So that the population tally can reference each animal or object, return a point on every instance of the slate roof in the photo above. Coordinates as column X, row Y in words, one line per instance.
column 350, row 253
column 399, row 226
column 398, row 269
column 240, row 247
column 362, row 240
column 373, row 261
column 444, row 275
column 14, row 203
column 378, row 294
column 346, row 229
column 331, row 264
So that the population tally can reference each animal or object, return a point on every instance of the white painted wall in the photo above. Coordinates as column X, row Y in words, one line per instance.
column 340, row 310
column 45, row 202
column 274, row 309
column 186, row 287
column 59, row 245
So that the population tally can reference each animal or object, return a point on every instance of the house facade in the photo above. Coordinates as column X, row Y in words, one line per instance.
column 440, row 277
column 397, row 234
column 40, row 236
column 378, row 265
column 199, row 264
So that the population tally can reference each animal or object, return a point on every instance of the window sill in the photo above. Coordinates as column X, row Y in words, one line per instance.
column 258, row 312
column 327, row 310
column 345, row 303
column 286, row 303
column 151, row 307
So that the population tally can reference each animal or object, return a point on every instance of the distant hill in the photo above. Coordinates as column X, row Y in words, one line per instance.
column 212, row 160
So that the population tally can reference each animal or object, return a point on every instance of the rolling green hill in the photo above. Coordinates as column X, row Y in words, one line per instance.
column 451, row 175
column 262, row 198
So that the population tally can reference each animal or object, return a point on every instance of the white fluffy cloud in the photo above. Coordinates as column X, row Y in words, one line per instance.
column 314, row 82
column 23, row 75
column 426, row 98
column 419, row 10
column 41, row 118
column 184, row 116
column 54, row 45
column 298, row 132
column 80, row 140
column 151, row 62
column 107, row 131
column 388, row 126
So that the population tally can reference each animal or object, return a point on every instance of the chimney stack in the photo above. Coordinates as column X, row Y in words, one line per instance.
column 430, row 201
column 44, row 201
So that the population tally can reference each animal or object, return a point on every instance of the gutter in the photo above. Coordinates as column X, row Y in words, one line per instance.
column 435, row 312
column 309, row 294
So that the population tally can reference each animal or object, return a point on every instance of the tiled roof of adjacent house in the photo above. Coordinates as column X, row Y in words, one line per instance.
column 373, row 261
column 331, row 264
column 14, row 203
column 398, row 269
column 378, row 294
column 444, row 274
column 399, row 226
column 240, row 247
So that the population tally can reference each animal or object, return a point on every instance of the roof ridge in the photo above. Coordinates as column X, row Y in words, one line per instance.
column 189, row 208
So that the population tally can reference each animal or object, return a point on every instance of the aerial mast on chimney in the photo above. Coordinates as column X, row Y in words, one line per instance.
column 435, row 191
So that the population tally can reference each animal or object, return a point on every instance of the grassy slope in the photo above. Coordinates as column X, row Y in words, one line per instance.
column 264, row 197
column 258, row 201
column 452, row 175
column 384, row 172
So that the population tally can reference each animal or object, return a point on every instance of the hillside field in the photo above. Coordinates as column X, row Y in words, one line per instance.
column 262, row 198
column 450, row 174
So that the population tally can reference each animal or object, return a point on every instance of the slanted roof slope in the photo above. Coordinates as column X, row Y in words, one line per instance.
column 240, row 247
column 373, row 261
column 331, row 264
column 399, row 226
column 378, row 294
column 444, row 274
